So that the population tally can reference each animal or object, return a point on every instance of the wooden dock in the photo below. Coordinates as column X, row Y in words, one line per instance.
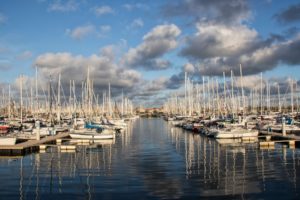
column 30, row 145
column 290, row 140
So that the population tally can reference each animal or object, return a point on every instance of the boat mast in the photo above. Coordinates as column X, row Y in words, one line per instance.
column 243, row 98
column 203, row 90
column 261, row 94
column 58, row 99
column 36, row 90
column 185, row 93
column 232, row 97
column 224, row 91
column 9, row 102
column 279, row 103
column 21, row 98
column 292, row 97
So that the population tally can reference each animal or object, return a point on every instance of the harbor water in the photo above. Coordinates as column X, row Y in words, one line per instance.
column 154, row 160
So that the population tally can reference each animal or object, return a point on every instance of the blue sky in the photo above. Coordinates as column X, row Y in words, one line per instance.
column 201, row 37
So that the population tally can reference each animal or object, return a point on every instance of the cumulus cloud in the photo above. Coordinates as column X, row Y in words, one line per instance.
column 102, row 10
column 103, row 69
column 290, row 14
column 81, row 31
column 63, row 6
column 217, row 40
column 160, row 40
column 24, row 55
column 216, row 48
column 259, row 60
column 229, row 11
column 189, row 68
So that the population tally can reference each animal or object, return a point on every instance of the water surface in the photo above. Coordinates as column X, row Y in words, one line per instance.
column 153, row 160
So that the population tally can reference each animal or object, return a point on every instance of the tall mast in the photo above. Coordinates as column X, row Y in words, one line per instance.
column 279, row 103
column 297, row 100
column 74, row 97
column 36, row 90
column 58, row 99
column 224, row 91
column 122, row 107
column 243, row 98
column 9, row 102
column 203, row 90
column 218, row 106
column 232, row 97
column 261, row 94
column 109, row 100
column 208, row 90
column 21, row 97
column 292, row 97
column 185, row 93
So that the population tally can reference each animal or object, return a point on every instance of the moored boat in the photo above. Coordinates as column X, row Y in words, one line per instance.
column 8, row 140
column 236, row 133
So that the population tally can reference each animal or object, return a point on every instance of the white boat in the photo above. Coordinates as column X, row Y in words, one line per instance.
column 44, row 131
column 236, row 133
column 91, row 134
column 8, row 140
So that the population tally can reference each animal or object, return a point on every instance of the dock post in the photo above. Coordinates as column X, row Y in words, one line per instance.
column 58, row 141
column 283, row 127
column 37, row 125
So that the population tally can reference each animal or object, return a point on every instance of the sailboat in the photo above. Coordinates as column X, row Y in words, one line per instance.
column 236, row 132
column 6, row 140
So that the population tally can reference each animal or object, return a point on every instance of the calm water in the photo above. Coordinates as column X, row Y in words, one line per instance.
column 153, row 160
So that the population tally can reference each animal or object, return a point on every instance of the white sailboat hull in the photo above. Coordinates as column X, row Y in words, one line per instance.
column 91, row 134
column 7, row 140
column 236, row 134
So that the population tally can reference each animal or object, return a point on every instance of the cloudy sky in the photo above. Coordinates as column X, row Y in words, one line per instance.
column 144, row 47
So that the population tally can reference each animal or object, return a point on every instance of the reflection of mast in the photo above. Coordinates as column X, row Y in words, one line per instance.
column 204, row 159
column 37, row 163
column 186, row 160
column 294, row 169
column 263, row 169
column 226, row 171
column 244, row 172
column 21, row 179
column 233, row 170
column 59, row 170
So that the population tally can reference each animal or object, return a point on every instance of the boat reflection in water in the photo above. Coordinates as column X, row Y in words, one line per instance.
column 236, row 168
column 153, row 160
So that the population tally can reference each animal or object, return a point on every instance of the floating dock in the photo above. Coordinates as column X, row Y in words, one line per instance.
column 30, row 145
column 290, row 140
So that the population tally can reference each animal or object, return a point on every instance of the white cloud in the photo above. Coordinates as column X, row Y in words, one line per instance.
column 81, row 31
column 130, row 7
column 212, row 40
column 189, row 67
column 160, row 40
column 137, row 23
column 102, row 10
column 63, row 6
column 105, row 28
column 103, row 69
column 24, row 55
